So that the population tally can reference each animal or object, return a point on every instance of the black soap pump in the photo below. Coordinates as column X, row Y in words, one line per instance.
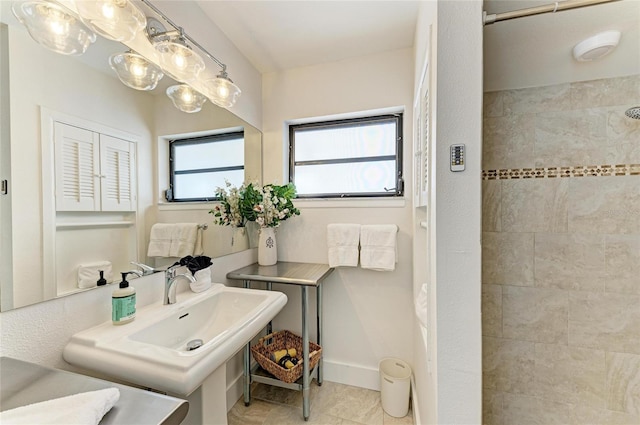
column 102, row 281
column 123, row 302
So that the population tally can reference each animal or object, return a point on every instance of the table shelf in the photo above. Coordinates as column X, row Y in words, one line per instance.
column 303, row 275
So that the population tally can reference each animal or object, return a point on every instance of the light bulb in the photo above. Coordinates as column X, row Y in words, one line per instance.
column 138, row 69
column 179, row 60
column 223, row 92
column 108, row 11
column 187, row 96
column 57, row 25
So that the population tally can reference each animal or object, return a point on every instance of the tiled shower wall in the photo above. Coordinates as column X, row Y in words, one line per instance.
column 561, row 254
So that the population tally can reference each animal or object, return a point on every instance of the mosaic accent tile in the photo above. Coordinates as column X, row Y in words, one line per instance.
column 603, row 170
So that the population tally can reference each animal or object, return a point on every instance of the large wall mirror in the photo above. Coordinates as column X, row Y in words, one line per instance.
column 36, row 83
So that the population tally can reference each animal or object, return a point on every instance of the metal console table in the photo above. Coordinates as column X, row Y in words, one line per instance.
column 304, row 275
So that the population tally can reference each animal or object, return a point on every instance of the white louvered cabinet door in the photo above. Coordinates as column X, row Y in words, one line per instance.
column 77, row 169
column 117, row 159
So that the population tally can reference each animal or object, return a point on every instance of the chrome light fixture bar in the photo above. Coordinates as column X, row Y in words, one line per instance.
column 179, row 61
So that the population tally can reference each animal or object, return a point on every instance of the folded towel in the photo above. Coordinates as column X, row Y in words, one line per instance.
column 184, row 239
column 83, row 408
column 160, row 240
column 203, row 280
column 378, row 247
column 174, row 240
column 342, row 243
column 89, row 273
column 421, row 305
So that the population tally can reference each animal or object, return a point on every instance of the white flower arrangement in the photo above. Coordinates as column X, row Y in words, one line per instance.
column 228, row 212
column 266, row 205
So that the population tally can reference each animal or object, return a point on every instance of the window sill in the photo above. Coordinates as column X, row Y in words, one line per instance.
column 185, row 206
column 351, row 203
column 300, row 203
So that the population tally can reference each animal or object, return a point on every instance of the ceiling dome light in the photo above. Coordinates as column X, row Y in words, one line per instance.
column 54, row 26
column 117, row 20
column 185, row 98
column 178, row 60
column 222, row 91
column 595, row 47
column 135, row 71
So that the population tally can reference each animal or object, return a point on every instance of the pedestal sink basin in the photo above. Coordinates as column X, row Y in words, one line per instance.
column 154, row 350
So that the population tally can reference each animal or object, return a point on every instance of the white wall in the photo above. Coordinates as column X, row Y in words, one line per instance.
column 368, row 315
column 455, row 213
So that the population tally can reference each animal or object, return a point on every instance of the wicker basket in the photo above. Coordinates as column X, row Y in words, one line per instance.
column 280, row 341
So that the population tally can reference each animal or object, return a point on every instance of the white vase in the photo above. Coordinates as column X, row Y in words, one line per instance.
column 267, row 247
column 239, row 239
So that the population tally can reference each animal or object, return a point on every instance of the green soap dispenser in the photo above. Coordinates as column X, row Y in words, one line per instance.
column 123, row 302
column 102, row 281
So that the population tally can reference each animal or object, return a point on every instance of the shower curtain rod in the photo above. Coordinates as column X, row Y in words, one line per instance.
column 548, row 8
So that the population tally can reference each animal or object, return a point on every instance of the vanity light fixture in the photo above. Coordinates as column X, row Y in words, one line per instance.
column 185, row 98
column 135, row 71
column 118, row 20
column 179, row 60
column 54, row 26
column 222, row 91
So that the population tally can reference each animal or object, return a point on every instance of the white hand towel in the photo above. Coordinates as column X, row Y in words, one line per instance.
column 342, row 242
column 421, row 305
column 83, row 408
column 378, row 247
column 174, row 240
column 184, row 239
column 89, row 273
column 160, row 240
column 203, row 280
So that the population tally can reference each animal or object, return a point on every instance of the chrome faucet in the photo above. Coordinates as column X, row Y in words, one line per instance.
column 146, row 270
column 170, row 280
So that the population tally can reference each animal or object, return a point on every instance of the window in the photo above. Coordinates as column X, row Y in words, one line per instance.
column 347, row 158
column 198, row 166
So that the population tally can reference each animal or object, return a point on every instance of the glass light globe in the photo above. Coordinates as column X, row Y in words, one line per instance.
column 135, row 71
column 222, row 91
column 179, row 61
column 185, row 98
column 117, row 20
column 54, row 26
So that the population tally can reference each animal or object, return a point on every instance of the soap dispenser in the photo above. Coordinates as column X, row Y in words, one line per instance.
column 102, row 281
column 123, row 302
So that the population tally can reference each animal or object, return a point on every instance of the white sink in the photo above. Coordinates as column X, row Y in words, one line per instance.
column 152, row 350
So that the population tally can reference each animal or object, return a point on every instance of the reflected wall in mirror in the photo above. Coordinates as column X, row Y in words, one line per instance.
column 38, row 245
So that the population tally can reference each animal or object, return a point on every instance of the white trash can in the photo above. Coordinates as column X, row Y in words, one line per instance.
column 395, row 385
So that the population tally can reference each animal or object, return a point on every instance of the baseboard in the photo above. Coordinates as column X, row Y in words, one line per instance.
column 350, row 374
column 342, row 373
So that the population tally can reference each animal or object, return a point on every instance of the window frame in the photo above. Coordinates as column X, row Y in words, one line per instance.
column 397, row 191
column 213, row 138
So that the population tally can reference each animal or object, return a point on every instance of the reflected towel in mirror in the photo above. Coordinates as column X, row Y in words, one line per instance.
column 89, row 273
column 175, row 240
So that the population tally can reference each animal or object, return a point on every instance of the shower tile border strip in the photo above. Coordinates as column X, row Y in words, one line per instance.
column 562, row 172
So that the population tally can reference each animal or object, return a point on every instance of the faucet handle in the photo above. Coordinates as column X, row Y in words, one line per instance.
column 146, row 270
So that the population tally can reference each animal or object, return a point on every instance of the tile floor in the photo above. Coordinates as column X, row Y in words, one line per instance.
column 331, row 404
